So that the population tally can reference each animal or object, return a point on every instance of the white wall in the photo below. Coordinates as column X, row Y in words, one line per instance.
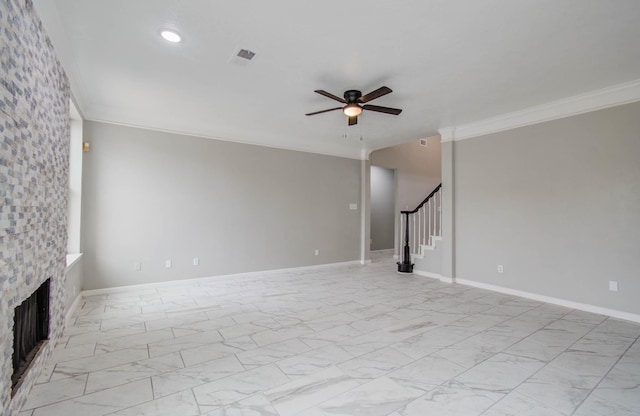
column 74, row 279
column 557, row 203
column 74, row 203
column 383, row 203
column 73, row 283
column 150, row 196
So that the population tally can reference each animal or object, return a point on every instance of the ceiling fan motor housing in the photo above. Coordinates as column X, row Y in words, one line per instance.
column 352, row 96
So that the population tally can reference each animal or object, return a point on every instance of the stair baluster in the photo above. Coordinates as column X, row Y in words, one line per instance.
column 425, row 225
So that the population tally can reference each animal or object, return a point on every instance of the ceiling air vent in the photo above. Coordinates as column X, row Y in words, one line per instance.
column 246, row 54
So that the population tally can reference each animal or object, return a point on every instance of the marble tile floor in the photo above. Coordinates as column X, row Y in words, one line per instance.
column 350, row 340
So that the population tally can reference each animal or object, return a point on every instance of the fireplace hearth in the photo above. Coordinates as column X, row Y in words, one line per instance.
column 30, row 332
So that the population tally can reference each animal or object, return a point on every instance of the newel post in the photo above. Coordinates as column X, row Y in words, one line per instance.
column 406, row 266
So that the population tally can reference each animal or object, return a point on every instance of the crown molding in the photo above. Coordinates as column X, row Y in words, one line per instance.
column 342, row 153
column 620, row 94
column 446, row 134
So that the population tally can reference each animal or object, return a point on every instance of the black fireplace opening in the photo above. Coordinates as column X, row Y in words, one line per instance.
column 30, row 331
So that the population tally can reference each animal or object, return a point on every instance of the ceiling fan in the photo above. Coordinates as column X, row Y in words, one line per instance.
column 353, row 99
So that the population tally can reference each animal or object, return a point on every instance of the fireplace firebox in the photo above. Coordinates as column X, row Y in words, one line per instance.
column 30, row 331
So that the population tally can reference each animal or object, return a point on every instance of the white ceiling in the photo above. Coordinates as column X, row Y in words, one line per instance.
column 449, row 62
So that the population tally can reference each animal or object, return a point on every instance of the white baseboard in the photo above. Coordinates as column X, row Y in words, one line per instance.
column 74, row 305
column 433, row 276
column 383, row 251
column 614, row 313
column 520, row 293
column 264, row 273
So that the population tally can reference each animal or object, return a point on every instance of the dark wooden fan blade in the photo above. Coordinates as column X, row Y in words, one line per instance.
column 375, row 94
column 329, row 95
column 323, row 111
column 353, row 120
column 387, row 110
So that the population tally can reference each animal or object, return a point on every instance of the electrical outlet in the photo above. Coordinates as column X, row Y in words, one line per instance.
column 317, row 252
column 167, row 264
column 500, row 268
column 196, row 261
column 613, row 286
column 137, row 266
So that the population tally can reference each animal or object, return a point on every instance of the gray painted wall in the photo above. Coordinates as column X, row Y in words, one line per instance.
column 558, row 204
column 383, row 202
column 418, row 172
column 417, row 169
column 150, row 196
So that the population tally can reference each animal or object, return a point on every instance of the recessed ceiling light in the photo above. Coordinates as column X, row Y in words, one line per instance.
column 170, row 36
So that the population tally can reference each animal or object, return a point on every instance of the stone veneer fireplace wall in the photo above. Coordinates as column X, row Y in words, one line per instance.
column 34, row 149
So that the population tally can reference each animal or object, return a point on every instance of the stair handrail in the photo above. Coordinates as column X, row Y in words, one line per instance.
column 437, row 188
column 405, row 266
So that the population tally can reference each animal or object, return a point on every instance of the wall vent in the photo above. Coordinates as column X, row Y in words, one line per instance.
column 423, row 142
column 246, row 54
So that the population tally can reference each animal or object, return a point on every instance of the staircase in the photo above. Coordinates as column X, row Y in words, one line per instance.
column 420, row 231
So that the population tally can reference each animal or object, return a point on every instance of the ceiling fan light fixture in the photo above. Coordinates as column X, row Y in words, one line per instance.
column 352, row 110
column 170, row 36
